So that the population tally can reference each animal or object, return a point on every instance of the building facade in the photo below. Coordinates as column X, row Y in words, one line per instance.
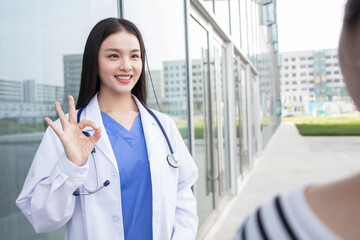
column 213, row 65
column 28, row 99
column 311, row 83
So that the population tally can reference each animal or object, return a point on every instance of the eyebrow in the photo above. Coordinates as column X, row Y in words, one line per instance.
column 118, row 50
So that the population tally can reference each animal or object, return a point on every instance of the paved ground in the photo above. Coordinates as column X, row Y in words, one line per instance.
column 288, row 161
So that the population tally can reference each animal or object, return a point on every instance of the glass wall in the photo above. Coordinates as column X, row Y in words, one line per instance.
column 244, row 27
column 41, row 45
column 222, row 13
column 254, row 115
column 219, row 124
column 235, row 22
column 241, row 119
column 224, row 125
column 164, row 37
column 251, row 30
column 256, row 32
column 198, row 44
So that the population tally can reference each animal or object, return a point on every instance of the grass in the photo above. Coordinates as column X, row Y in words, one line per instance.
column 182, row 125
column 307, row 126
column 326, row 126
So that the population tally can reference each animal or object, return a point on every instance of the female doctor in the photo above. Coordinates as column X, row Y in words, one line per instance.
column 106, row 171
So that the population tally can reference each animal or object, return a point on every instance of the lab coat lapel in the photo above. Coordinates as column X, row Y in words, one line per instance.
column 154, row 138
column 92, row 113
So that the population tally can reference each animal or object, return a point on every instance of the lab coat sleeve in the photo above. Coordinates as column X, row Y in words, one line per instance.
column 46, row 198
column 186, row 219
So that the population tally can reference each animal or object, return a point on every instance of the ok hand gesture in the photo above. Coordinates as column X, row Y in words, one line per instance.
column 77, row 146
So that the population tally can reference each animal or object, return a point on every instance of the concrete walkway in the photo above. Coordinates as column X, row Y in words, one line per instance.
column 288, row 161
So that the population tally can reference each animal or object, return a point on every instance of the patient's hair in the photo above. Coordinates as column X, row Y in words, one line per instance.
column 352, row 11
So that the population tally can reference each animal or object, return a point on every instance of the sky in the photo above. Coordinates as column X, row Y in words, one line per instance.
column 309, row 24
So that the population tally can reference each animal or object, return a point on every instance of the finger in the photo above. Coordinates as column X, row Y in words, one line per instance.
column 59, row 132
column 72, row 110
column 62, row 116
column 96, row 136
column 86, row 123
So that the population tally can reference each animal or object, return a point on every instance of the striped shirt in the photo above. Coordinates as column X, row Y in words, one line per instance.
column 287, row 216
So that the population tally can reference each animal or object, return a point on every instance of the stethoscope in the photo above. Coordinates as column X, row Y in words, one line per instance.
column 172, row 161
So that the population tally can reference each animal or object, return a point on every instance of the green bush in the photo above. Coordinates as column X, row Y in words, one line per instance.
column 329, row 129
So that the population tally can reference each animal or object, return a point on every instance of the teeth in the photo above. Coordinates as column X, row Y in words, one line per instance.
column 123, row 78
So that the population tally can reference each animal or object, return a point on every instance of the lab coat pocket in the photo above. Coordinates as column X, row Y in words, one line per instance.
column 171, row 183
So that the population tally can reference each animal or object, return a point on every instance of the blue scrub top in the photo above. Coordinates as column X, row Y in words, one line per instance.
column 136, row 190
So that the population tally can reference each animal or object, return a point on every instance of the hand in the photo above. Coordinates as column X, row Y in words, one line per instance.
column 77, row 146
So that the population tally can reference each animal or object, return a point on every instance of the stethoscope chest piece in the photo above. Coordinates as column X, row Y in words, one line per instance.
column 173, row 161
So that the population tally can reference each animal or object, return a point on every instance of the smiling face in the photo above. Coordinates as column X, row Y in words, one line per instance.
column 120, row 63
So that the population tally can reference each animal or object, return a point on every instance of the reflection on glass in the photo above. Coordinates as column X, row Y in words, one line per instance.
column 214, row 129
column 225, row 122
column 222, row 12
column 199, row 58
column 164, row 37
column 256, row 29
column 253, row 30
column 237, row 94
column 240, row 110
column 219, row 118
column 235, row 22
column 253, row 115
column 40, row 63
column 244, row 27
column 267, row 100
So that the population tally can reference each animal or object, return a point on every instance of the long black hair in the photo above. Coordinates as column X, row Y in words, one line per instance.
column 90, row 81
column 352, row 12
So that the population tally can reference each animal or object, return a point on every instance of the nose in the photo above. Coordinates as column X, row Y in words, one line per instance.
column 125, row 65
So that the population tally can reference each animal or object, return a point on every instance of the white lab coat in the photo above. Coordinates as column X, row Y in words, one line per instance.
column 47, row 196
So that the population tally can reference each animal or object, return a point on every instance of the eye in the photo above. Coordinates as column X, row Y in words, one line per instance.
column 113, row 56
column 135, row 56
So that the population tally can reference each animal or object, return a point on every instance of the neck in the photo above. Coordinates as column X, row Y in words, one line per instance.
column 119, row 103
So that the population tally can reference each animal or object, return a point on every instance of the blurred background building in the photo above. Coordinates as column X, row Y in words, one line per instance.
column 312, row 84
column 213, row 64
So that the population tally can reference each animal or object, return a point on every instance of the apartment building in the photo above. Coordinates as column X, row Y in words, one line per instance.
column 311, row 81
column 28, row 99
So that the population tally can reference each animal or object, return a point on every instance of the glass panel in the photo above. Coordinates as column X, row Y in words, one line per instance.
column 240, row 110
column 209, row 4
column 244, row 27
column 235, row 22
column 218, row 118
column 256, row 31
column 41, row 52
column 253, row 115
column 214, row 129
column 222, row 14
column 237, row 94
column 251, row 29
column 199, row 58
column 164, row 37
column 225, row 158
column 244, row 120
